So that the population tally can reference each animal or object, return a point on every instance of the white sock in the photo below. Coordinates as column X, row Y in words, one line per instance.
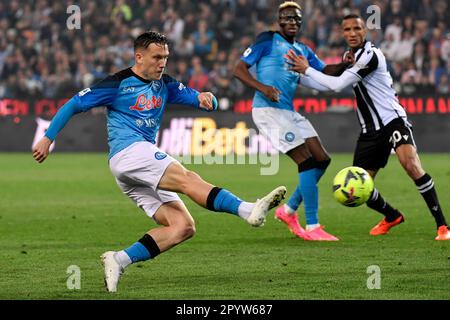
column 245, row 209
column 288, row 209
column 122, row 258
column 310, row 227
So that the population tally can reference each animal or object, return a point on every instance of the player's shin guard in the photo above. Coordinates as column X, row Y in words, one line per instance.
column 222, row 200
column 145, row 249
column 425, row 185
column 377, row 203
column 309, row 191
column 296, row 198
column 310, row 172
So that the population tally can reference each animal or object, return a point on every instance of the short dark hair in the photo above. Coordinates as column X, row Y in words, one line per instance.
column 351, row 16
column 148, row 37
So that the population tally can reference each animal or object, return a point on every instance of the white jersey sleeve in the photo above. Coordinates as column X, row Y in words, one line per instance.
column 366, row 62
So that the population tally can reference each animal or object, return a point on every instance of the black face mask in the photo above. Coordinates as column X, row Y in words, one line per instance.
column 285, row 19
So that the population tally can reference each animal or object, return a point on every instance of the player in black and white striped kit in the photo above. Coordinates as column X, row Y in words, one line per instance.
column 383, row 121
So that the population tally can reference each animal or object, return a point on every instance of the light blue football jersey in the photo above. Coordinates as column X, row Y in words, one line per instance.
column 268, row 56
column 134, row 105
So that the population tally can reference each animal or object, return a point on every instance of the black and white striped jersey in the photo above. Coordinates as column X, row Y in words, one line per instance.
column 377, row 102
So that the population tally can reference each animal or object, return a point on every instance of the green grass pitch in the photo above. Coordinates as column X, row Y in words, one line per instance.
column 68, row 210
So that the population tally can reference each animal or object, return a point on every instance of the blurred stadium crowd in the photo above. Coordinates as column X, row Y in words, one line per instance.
column 40, row 56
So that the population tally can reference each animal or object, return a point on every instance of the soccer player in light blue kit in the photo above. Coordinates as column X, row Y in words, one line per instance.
column 135, row 99
column 275, row 117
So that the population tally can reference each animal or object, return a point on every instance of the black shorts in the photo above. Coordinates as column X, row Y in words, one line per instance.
column 373, row 149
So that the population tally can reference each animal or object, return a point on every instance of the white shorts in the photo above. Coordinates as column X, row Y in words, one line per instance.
column 284, row 128
column 138, row 170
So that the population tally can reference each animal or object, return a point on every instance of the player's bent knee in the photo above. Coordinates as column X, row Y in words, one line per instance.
column 188, row 231
column 184, row 232
column 183, row 228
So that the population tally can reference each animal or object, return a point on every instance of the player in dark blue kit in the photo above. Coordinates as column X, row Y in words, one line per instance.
column 135, row 99
column 274, row 114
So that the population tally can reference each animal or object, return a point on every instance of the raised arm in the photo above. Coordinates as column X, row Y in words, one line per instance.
column 333, row 83
column 339, row 68
column 349, row 77
column 178, row 93
column 336, row 69
column 310, row 83
column 319, row 66
column 101, row 94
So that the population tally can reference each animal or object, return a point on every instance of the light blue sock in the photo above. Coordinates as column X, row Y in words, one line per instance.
column 137, row 252
column 225, row 201
column 296, row 198
column 310, row 194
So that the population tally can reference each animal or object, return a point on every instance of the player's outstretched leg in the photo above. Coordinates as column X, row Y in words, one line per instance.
column 178, row 226
column 177, row 223
column 222, row 200
column 179, row 179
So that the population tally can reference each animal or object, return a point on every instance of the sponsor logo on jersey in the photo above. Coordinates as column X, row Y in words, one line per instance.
column 156, row 85
column 247, row 52
column 139, row 123
column 128, row 89
column 361, row 65
column 290, row 136
column 160, row 155
column 149, row 123
column 83, row 92
column 142, row 103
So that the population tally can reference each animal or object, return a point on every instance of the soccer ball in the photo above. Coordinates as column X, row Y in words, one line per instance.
column 352, row 186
